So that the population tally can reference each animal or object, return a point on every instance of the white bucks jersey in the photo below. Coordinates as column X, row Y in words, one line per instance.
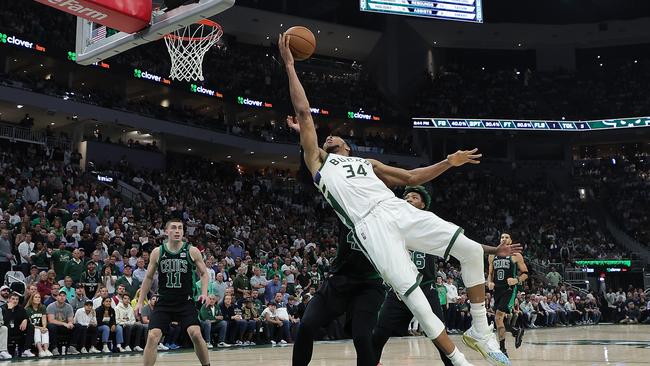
column 351, row 187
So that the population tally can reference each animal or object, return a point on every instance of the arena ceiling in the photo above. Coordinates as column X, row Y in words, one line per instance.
column 347, row 12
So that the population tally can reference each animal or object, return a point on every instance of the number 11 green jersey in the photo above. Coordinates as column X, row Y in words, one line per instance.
column 176, row 277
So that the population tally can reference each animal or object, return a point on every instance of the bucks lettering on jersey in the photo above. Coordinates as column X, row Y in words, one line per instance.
column 503, row 268
column 351, row 187
column 175, row 275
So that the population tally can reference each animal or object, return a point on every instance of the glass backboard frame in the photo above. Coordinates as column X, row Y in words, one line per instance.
column 90, row 49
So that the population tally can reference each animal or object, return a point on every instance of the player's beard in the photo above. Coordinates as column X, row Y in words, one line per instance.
column 333, row 149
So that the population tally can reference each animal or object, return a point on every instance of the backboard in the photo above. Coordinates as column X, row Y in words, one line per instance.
column 95, row 42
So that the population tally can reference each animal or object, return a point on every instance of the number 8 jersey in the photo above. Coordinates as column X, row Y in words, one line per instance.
column 175, row 275
column 351, row 187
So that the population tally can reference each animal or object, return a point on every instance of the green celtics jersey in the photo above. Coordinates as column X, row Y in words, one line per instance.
column 175, row 275
column 350, row 260
column 502, row 269
column 426, row 264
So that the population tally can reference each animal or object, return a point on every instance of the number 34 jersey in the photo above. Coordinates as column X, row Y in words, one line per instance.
column 176, row 277
column 351, row 187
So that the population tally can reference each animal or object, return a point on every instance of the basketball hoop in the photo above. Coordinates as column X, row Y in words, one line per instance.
column 187, row 47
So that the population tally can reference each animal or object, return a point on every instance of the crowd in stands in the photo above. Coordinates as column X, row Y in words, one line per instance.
column 267, row 242
column 612, row 91
column 623, row 183
column 551, row 221
column 83, row 252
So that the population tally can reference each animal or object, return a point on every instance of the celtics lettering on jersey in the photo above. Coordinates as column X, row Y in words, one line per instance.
column 503, row 268
column 176, row 274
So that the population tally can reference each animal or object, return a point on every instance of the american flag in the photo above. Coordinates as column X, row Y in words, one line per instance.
column 98, row 34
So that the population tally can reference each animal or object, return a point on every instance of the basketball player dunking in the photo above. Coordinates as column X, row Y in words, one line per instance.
column 175, row 261
column 505, row 274
column 387, row 227
column 394, row 316
column 353, row 288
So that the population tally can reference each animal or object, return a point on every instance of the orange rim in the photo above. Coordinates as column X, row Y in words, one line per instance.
column 206, row 22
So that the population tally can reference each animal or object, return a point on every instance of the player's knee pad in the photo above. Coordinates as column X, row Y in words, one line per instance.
column 470, row 255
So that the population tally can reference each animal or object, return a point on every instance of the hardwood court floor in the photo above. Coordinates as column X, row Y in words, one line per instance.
column 618, row 345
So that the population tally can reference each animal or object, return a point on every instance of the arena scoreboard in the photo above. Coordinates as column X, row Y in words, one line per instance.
column 458, row 10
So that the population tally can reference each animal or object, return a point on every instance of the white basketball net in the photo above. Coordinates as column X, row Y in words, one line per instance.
column 187, row 47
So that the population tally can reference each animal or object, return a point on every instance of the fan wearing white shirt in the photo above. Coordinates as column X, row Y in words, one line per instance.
column 75, row 222
column 125, row 316
column 84, row 333
column 102, row 225
column 25, row 250
column 14, row 219
column 452, row 298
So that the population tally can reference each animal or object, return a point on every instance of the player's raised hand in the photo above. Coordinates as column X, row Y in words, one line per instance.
column 462, row 157
column 504, row 250
column 293, row 124
column 285, row 52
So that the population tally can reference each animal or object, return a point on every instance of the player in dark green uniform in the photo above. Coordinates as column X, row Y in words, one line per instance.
column 175, row 261
column 505, row 274
column 353, row 288
column 395, row 316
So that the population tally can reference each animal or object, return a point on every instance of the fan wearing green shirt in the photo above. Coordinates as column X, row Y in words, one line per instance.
column 131, row 284
column 274, row 270
column 60, row 257
column 212, row 322
column 442, row 292
column 75, row 266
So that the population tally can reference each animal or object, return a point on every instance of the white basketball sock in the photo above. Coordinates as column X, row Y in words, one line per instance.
column 479, row 318
column 457, row 358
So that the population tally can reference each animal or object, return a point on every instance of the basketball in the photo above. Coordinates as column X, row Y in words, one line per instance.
column 302, row 42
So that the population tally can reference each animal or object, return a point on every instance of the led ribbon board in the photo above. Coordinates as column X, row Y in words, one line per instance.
column 605, row 263
column 530, row 125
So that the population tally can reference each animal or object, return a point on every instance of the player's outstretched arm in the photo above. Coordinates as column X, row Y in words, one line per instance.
column 303, row 122
column 503, row 250
column 148, row 279
column 393, row 177
column 203, row 273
